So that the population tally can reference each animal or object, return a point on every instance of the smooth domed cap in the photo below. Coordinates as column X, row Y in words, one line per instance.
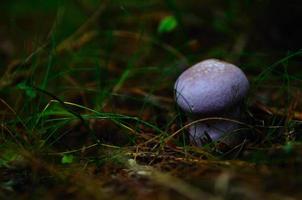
column 210, row 86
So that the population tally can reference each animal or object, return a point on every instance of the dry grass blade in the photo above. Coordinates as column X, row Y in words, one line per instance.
column 203, row 120
column 68, row 43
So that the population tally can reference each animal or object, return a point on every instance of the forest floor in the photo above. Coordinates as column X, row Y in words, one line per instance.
column 87, row 103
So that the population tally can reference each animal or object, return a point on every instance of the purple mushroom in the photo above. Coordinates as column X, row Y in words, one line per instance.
column 212, row 88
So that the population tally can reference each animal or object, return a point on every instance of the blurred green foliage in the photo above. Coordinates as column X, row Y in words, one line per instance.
column 167, row 24
column 67, row 159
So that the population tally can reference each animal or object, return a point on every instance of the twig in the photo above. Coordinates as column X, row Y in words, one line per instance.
column 169, row 181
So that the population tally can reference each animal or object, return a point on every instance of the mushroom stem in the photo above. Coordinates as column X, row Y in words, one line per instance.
column 225, row 131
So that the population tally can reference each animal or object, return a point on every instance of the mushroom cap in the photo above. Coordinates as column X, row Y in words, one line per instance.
column 210, row 87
